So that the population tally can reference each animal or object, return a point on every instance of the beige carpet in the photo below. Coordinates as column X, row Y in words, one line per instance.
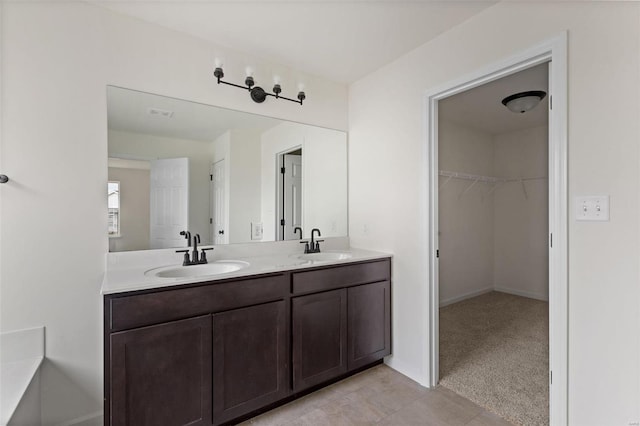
column 494, row 350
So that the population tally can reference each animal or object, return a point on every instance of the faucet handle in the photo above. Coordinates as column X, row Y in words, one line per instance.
column 203, row 255
column 186, row 259
column 306, row 246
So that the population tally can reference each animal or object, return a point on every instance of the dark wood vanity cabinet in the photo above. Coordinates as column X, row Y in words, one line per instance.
column 319, row 337
column 369, row 323
column 162, row 374
column 341, row 330
column 250, row 359
column 215, row 352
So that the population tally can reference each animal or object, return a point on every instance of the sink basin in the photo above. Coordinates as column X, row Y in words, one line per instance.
column 326, row 256
column 207, row 269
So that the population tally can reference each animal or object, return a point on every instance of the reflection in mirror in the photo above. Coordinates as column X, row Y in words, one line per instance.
column 229, row 176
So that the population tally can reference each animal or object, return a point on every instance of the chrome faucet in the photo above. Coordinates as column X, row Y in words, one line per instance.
column 194, row 259
column 314, row 245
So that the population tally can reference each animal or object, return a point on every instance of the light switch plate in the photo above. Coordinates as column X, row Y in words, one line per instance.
column 592, row 208
column 256, row 230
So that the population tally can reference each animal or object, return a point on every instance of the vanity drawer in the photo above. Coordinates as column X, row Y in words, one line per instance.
column 161, row 306
column 341, row 276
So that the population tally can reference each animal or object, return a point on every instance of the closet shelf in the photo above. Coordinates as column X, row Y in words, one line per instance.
column 486, row 179
column 495, row 181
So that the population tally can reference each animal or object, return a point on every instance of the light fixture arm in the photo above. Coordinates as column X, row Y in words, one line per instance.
column 258, row 94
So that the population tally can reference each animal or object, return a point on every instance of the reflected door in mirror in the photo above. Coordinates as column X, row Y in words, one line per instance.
column 169, row 202
column 219, row 207
column 292, row 191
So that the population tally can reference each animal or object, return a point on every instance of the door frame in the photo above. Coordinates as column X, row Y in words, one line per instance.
column 212, row 206
column 279, row 189
column 553, row 50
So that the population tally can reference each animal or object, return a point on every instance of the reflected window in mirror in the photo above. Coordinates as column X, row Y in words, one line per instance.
column 113, row 203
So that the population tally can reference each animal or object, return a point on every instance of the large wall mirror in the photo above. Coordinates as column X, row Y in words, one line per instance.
column 229, row 176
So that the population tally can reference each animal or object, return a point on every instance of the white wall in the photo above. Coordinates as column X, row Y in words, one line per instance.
column 244, row 184
column 57, row 59
column 604, row 130
column 134, row 209
column 521, row 222
column 493, row 239
column 466, row 221
column 324, row 182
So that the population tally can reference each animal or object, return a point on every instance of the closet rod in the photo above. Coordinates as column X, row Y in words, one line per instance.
column 485, row 179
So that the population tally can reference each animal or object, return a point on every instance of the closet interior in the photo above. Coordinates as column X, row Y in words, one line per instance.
column 493, row 242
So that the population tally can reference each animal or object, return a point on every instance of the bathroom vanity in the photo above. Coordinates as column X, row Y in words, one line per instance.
column 220, row 349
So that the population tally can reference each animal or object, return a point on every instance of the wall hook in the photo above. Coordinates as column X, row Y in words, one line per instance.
column 4, row 178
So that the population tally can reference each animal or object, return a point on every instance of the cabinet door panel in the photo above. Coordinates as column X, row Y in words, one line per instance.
column 250, row 359
column 319, row 337
column 369, row 323
column 161, row 375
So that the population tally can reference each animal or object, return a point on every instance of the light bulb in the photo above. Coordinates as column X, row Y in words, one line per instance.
column 249, row 72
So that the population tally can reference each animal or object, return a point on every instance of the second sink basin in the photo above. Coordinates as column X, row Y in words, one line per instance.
column 326, row 256
column 214, row 268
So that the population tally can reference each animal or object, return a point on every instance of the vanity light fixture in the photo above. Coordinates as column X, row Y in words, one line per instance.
column 524, row 101
column 258, row 94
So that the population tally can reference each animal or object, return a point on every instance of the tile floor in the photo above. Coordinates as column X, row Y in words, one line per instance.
column 379, row 396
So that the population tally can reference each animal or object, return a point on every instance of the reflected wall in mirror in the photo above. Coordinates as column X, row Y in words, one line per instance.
column 229, row 176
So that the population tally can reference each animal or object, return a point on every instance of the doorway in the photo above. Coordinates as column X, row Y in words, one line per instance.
column 493, row 228
column 555, row 52
column 290, row 194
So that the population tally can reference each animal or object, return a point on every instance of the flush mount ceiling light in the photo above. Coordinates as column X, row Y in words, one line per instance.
column 258, row 94
column 524, row 101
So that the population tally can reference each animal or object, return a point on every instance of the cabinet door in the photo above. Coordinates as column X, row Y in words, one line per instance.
column 319, row 337
column 250, row 359
column 161, row 375
column 369, row 323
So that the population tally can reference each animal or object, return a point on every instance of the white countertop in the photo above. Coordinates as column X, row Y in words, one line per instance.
column 21, row 353
column 16, row 377
column 130, row 276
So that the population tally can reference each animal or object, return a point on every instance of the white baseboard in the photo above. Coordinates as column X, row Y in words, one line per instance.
column 522, row 293
column 93, row 419
column 465, row 296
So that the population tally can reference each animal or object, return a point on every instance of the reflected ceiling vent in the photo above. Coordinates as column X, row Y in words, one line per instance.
column 157, row 112
column 524, row 101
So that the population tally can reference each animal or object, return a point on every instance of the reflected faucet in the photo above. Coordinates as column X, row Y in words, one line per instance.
column 296, row 229
column 187, row 236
